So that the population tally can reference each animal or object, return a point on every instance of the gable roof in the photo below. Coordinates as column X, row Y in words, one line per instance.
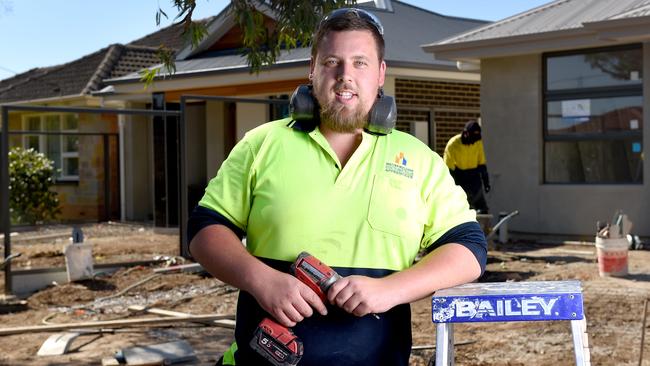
column 78, row 77
column 171, row 36
column 572, row 23
column 86, row 74
column 406, row 28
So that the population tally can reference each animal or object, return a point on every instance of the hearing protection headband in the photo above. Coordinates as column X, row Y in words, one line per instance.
column 381, row 118
column 362, row 14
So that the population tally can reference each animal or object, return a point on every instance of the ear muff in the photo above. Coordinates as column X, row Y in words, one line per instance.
column 381, row 119
column 383, row 115
column 303, row 105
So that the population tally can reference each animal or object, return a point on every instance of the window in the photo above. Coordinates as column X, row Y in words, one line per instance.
column 279, row 111
column 54, row 135
column 593, row 116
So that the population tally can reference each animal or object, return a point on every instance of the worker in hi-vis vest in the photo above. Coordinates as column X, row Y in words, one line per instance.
column 465, row 159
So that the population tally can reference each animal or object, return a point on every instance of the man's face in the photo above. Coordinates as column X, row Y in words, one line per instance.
column 346, row 75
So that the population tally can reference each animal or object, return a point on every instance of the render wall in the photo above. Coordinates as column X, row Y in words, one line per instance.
column 138, row 169
column 214, row 137
column 511, row 109
column 250, row 115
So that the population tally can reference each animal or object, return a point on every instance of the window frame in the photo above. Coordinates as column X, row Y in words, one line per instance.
column 59, row 177
column 587, row 93
column 272, row 111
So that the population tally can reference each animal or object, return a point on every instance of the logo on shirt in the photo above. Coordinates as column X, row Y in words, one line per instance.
column 399, row 166
column 400, row 159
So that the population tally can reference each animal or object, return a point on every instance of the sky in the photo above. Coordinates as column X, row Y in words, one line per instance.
column 39, row 33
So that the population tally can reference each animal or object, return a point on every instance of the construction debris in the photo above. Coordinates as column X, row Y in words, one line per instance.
column 224, row 323
column 11, row 300
column 112, row 323
column 620, row 227
column 188, row 268
column 156, row 354
column 57, row 344
column 501, row 227
column 8, row 259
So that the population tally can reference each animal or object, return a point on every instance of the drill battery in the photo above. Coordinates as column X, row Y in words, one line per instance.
column 277, row 343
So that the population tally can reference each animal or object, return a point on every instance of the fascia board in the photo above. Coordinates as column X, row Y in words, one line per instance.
column 116, row 99
column 224, row 22
column 447, row 66
column 622, row 30
column 207, row 81
column 592, row 34
column 518, row 45
column 204, row 72
column 51, row 100
column 215, row 30
column 452, row 76
column 287, row 73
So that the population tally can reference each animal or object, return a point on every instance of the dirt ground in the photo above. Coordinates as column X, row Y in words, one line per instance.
column 613, row 306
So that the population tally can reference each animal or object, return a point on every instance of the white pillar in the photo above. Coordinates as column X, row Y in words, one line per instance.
column 120, row 124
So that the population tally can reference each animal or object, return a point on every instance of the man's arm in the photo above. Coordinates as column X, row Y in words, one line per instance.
column 458, row 256
column 218, row 249
column 447, row 266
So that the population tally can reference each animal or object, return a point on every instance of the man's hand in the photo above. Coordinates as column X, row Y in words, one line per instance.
column 360, row 295
column 287, row 299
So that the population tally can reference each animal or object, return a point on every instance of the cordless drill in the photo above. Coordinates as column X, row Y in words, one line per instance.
column 277, row 343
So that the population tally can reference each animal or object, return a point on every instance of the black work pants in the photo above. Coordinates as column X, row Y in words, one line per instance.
column 470, row 181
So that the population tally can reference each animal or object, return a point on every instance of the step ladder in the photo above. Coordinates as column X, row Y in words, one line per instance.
column 507, row 302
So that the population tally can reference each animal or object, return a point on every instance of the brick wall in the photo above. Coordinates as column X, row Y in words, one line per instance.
column 451, row 104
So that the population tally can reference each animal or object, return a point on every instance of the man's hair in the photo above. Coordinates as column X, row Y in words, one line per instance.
column 472, row 126
column 348, row 21
column 471, row 132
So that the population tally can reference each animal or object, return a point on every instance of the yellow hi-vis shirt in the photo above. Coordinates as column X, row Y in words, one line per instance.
column 460, row 156
column 287, row 190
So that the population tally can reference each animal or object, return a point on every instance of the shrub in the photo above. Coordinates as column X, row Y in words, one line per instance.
column 31, row 174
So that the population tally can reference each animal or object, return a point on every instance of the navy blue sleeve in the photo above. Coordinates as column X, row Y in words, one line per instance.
column 468, row 235
column 203, row 216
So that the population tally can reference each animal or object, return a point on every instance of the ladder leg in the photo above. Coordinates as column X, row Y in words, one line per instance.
column 580, row 342
column 445, row 344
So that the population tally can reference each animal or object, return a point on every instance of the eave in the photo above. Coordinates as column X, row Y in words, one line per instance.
column 594, row 34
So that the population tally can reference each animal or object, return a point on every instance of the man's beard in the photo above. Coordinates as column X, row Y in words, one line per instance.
column 335, row 117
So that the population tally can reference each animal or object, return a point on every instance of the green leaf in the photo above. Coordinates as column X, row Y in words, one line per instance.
column 160, row 13
column 31, row 176
column 148, row 75
column 296, row 21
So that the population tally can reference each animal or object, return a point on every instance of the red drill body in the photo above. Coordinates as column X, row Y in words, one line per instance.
column 314, row 273
column 277, row 343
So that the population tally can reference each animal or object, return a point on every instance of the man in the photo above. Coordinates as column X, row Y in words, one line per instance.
column 465, row 158
column 362, row 203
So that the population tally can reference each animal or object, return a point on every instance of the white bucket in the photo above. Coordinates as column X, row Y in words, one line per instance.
column 612, row 256
column 79, row 261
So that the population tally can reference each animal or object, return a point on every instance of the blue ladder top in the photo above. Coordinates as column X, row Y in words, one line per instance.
column 508, row 301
